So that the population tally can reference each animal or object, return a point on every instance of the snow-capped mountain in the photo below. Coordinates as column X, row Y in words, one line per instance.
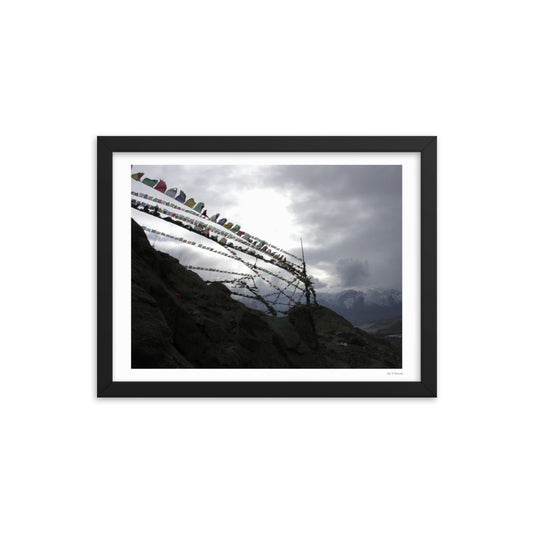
column 364, row 306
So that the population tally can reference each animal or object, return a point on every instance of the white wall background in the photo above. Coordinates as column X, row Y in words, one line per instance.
column 459, row 70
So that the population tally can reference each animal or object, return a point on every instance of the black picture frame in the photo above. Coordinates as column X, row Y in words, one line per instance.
column 426, row 146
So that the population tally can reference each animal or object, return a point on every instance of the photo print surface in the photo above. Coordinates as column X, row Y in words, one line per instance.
column 266, row 266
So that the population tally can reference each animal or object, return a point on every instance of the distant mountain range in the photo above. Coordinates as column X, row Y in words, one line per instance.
column 364, row 306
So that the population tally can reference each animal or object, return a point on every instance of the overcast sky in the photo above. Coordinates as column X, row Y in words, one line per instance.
column 349, row 217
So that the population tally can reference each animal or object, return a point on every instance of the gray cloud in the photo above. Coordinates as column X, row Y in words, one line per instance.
column 352, row 272
column 349, row 216
column 317, row 283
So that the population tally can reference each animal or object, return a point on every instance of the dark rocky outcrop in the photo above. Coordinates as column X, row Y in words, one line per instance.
column 178, row 320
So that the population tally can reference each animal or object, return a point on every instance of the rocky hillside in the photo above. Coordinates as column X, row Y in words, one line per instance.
column 178, row 320
column 382, row 328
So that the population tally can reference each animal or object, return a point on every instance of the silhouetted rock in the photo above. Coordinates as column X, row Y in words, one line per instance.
column 178, row 320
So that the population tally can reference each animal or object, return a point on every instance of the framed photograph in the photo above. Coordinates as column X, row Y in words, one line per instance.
column 267, row 266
